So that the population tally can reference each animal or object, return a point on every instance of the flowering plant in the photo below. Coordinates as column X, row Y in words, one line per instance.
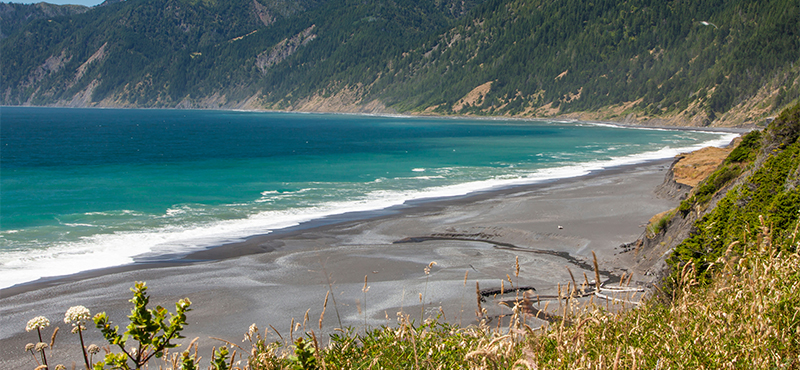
column 77, row 316
column 36, row 323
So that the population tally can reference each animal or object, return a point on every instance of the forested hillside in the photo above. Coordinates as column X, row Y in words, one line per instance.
column 15, row 16
column 695, row 62
column 701, row 57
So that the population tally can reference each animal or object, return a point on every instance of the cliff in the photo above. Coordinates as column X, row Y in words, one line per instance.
column 747, row 188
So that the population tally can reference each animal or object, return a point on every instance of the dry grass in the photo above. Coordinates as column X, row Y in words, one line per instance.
column 749, row 317
column 698, row 165
column 474, row 97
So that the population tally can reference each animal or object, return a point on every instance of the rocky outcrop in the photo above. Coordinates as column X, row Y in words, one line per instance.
column 53, row 64
column 98, row 55
column 284, row 49
column 346, row 100
column 263, row 13
column 670, row 188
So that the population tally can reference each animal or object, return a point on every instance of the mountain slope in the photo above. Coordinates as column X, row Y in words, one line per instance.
column 15, row 16
column 698, row 62
column 568, row 56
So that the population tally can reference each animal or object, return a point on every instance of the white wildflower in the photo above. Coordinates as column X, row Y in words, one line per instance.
column 38, row 322
column 77, row 316
column 76, row 313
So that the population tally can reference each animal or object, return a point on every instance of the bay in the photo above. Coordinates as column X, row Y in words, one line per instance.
column 82, row 189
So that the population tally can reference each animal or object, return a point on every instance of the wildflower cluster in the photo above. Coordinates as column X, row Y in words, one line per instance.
column 38, row 322
column 77, row 316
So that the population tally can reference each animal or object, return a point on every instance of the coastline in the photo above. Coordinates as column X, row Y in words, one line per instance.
column 265, row 243
column 271, row 278
column 142, row 255
column 563, row 119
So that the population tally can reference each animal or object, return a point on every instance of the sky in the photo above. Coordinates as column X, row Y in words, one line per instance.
column 62, row 2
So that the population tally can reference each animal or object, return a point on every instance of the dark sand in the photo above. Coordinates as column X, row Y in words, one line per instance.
column 271, row 279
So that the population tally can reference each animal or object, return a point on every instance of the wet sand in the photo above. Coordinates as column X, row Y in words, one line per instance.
column 270, row 279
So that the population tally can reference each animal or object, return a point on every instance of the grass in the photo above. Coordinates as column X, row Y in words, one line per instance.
column 746, row 318
column 654, row 228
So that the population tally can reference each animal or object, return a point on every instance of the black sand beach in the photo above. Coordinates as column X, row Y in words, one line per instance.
column 270, row 279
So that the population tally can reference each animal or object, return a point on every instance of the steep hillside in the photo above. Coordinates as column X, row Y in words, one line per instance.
column 731, row 62
column 165, row 53
column 139, row 53
column 15, row 16
column 694, row 60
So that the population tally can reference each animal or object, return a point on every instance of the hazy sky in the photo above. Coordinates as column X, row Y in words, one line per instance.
column 61, row 2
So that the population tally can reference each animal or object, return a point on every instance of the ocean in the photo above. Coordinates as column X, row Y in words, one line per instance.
column 83, row 189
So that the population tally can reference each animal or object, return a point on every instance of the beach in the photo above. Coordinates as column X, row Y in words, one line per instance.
column 552, row 229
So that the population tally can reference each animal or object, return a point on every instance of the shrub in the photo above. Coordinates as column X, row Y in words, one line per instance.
column 747, row 149
column 661, row 224
column 147, row 327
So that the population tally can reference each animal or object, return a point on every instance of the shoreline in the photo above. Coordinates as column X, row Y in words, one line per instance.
column 272, row 278
column 640, row 125
column 146, row 260
column 260, row 243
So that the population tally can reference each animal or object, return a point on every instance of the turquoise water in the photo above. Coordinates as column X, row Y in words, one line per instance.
column 89, row 188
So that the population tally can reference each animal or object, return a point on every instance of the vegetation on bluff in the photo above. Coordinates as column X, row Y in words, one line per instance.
column 15, row 16
column 768, row 198
column 744, row 318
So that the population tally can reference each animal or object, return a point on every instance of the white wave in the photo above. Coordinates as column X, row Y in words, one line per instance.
column 124, row 212
column 121, row 248
column 420, row 178
column 172, row 212
column 271, row 196
column 79, row 225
